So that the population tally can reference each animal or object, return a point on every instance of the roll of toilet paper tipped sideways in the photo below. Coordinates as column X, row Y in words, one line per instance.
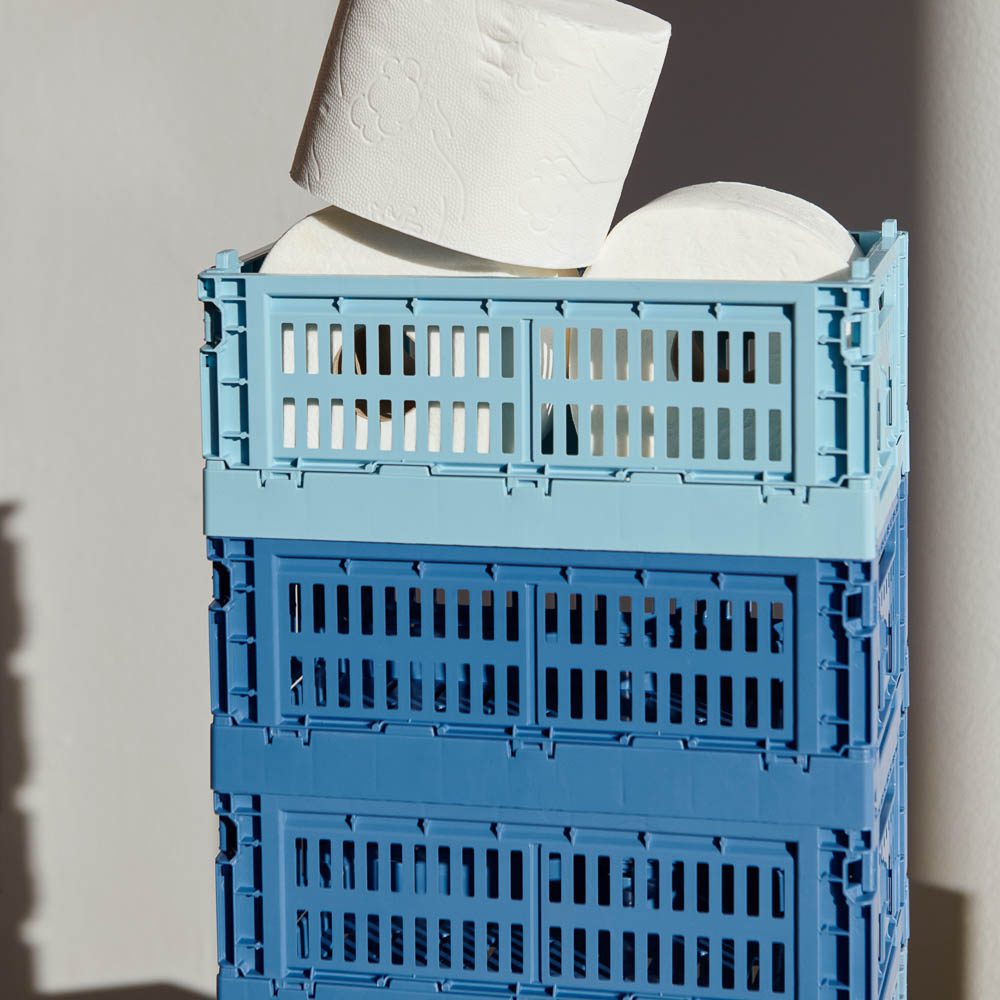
column 727, row 232
column 499, row 128
column 336, row 242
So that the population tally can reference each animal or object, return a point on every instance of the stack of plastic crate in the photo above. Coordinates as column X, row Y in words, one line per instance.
column 559, row 637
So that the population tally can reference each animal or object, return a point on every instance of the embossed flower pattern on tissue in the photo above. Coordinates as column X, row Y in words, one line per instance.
column 512, row 53
column 390, row 102
column 406, row 219
column 546, row 196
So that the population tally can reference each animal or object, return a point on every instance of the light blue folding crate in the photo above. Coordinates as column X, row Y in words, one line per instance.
column 764, row 418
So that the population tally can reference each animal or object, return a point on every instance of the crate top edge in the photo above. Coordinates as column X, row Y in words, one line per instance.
column 884, row 248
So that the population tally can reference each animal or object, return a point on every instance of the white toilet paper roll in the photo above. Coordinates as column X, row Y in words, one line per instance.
column 727, row 232
column 336, row 242
column 500, row 128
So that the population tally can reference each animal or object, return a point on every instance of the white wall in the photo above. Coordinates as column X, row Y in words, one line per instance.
column 955, row 820
column 135, row 140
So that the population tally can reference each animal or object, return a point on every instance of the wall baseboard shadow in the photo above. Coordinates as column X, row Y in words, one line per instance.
column 153, row 991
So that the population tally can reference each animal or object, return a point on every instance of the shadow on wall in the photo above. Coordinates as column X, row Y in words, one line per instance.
column 153, row 992
column 16, row 897
column 939, row 958
column 814, row 99
column 15, row 886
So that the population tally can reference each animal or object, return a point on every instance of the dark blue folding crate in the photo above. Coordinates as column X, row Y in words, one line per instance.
column 345, row 897
column 790, row 655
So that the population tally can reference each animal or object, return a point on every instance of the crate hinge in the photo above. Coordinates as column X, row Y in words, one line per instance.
column 535, row 744
column 862, row 892
column 512, row 481
column 781, row 491
column 859, row 349
column 294, row 476
column 772, row 759
column 284, row 991
column 300, row 736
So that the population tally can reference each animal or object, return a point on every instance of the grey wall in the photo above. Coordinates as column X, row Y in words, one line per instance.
column 135, row 140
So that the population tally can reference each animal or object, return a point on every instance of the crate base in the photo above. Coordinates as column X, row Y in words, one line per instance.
column 407, row 505
column 231, row 987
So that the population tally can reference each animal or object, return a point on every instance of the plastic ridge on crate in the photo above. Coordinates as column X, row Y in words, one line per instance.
column 745, row 418
column 638, row 778
column 355, row 895
column 403, row 505
column 791, row 656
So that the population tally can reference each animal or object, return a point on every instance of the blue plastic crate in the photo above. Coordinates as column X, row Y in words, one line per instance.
column 744, row 418
column 795, row 656
column 343, row 895
column 901, row 976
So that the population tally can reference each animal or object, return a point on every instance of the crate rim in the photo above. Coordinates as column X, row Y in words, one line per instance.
column 875, row 245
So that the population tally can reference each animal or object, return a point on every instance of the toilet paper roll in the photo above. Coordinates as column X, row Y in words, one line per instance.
column 336, row 242
column 499, row 128
column 727, row 232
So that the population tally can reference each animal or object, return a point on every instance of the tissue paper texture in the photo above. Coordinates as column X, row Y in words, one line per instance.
column 727, row 232
column 499, row 128
column 336, row 242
